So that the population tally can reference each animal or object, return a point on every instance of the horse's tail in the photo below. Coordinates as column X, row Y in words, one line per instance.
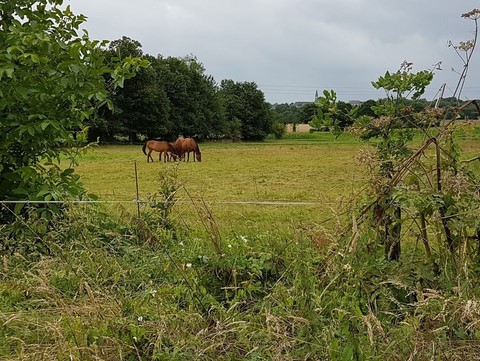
column 144, row 147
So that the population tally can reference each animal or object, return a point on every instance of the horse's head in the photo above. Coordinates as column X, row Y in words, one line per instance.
column 198, row 156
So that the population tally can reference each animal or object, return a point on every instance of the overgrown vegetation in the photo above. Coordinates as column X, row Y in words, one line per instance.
column 105, row 287
column 394, row 280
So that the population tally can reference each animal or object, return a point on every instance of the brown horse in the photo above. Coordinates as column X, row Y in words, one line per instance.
column 160, row 146
column 186, row 146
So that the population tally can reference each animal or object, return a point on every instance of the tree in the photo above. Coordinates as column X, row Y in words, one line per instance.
column 307, row 112
column 326, row 109
column 286, row 114
column 343, row 115
column 52, row 81
column 195, row 107
column 392, row 126
column 140, row 106
column 366, row 108
column 245, row 103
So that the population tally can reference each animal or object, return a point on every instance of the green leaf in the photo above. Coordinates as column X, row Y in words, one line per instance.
column 43, row 191
column 44, row 125
column 347, row 354
column 9, row 71
column 20, row 191
column 18, row 208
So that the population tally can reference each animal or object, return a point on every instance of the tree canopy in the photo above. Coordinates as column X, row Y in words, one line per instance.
column 245, row 104
column 174, row 97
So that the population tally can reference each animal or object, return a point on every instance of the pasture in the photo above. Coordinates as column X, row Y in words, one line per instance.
column 277, row 185
column 115, row 288
column 303, row 181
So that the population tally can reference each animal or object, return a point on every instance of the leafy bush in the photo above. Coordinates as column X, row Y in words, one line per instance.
column 43, row 111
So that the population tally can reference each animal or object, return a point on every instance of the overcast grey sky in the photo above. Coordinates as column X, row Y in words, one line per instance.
column 290, row 48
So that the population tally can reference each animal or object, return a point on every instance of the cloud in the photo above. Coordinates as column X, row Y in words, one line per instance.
column 291, row 48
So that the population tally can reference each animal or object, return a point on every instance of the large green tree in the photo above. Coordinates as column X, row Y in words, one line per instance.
column 172, row 97
column 195, row 107
column 52, row 81
column 245, row 104
column 141, row 106
column 286, row 114
column 307, row 112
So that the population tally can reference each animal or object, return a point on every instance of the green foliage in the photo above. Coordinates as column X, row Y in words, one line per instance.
column 243, row 101
column 330, row 114
column 104, row 287
column 403, row 83
column 286, row 113
column 52, row 80
column 324, row 119
column 307, row 112
column 163, row 201
column 408, row 189
column 392, row 122
column 195, row 105
column 172, row 97
column 278, row 130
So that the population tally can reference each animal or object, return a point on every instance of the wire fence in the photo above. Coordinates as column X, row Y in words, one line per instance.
column 138, row 201
column 337, row 207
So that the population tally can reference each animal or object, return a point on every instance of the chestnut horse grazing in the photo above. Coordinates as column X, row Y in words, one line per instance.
column 159, row 146
column 186, row 146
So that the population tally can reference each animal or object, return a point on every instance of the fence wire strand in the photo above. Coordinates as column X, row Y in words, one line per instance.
column 134, row 201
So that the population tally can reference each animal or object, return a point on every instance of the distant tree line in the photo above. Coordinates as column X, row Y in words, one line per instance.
column 173, row 97
column 346, row 113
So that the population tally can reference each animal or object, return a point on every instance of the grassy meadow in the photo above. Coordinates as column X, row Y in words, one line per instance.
column 276, row 283
column 313, row 177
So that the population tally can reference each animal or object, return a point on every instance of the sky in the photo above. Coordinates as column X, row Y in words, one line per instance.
column 292, row 48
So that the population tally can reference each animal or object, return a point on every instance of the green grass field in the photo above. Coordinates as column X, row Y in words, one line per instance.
column 94, row 286
column 315, row 169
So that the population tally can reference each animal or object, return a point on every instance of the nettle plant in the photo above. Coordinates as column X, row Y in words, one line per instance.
column 421, row 193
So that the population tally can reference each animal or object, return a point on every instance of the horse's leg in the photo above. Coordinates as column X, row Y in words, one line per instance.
column 149, row 156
